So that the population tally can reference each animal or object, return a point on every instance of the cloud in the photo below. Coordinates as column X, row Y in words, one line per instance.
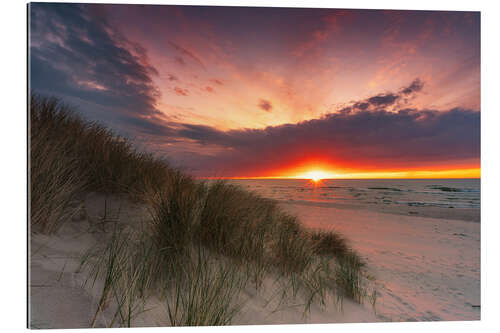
column 180, row 60
column 180, row 91
column 383, row 99
column 172, row 77
column 187, row 53
column 265, row 105
column 76, row 54
column 216, row 81
column 203, row 134
column 209, row 89
column 415, row 86
column 378, row 139
column 386, row 100
column 360, row 106
column 329, row 25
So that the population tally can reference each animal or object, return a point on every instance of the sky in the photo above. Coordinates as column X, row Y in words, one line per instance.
column 271, row 92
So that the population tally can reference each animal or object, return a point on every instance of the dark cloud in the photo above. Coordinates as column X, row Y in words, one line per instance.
column 172, row 77
column 76, row 54
column 383, row 100
column 203, row 134
column 146, row 126
column 386, row 100
column 415, row 86
column 361, row 106
column 265, row 105
column 180, row 91
column 407, row 138
column 347, row 109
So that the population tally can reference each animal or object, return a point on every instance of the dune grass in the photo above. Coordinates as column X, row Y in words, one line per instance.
column 65, row 147
column 204, row 241
column 54, row 184
column 205, row 292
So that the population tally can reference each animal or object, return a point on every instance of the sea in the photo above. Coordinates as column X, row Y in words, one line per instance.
column 445, row 193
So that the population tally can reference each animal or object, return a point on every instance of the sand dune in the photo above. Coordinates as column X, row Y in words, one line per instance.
column 59, row 300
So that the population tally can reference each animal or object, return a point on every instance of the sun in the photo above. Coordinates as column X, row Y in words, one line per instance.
column 316, row 175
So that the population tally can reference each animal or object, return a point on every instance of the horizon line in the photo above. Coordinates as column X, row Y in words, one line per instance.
column 339, row 178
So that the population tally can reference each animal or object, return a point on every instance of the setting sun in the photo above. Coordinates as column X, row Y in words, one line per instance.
column 316, row 175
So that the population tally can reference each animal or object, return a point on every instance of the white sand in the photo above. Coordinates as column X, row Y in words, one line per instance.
column 425, row 269
column 56, row 294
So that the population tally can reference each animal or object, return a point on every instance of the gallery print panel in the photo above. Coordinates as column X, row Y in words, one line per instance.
column 208, row 165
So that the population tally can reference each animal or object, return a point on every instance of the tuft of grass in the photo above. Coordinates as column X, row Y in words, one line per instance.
column 69, row 155
column 348, row 277
column 197, row 288
column 205, row 292
column 229, row 215
column 175, row 212
column 329, row 243
column 292, row 248
column 123, row 266
column 55, row 178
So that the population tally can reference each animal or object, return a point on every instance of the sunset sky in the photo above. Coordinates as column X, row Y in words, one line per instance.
column 272, row 92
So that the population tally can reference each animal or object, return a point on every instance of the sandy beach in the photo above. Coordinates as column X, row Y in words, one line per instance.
column 422, row 269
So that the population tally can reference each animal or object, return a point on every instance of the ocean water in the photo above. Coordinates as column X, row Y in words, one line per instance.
column 445, row 193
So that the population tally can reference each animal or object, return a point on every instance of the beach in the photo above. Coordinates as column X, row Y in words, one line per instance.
column 422, row 269
column 419, row 238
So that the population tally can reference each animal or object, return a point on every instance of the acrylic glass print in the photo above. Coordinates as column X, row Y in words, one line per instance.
column 195, row 165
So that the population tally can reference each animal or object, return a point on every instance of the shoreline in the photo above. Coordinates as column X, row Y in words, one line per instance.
column 461, row 214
